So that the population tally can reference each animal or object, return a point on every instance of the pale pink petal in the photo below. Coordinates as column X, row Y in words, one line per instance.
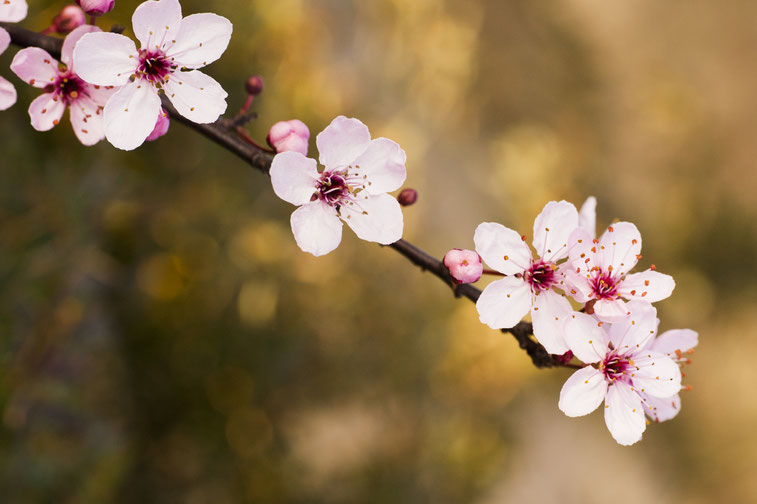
column 87, row 121
column 130, row 114
column 156, row 23
column 105, row 59
column 624, row 414
column 661, row 409
column 294, row 177
column 585, row 337
column 549, row 314
column 340, row 144
column 316, row 228
column 502, row 248
column 196, row 96
column 35, row 67
column 587, row 216
column 201, row 40
column 504, row 303
column 682, row 340
column 45, row 112
column 634, row 331
column 583, row 392
column 375, row 218
column 656, row 374
column 582, row 251
column 619, row 248
column 67, row 53
column 650, row 286
column 552, row 229
column 610, row 310
column 13, row 11
column 576, row 284
column 100, row 94
column 7, row 94
column 383, row 165
column 5, row 40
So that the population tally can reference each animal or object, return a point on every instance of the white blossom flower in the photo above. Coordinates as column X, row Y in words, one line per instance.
column 600, row 269
column 624, row 371
column 11, row 11
column 353, row 187
column 172, row 50
column 531, row 282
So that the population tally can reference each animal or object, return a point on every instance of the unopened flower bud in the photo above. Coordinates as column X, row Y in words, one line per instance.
column 464, row 265
column 407, row 196
column 289, row 136
column 254, row 85
column 564, row 358
column 96, row 7
column 161, row 126
column 69, row 18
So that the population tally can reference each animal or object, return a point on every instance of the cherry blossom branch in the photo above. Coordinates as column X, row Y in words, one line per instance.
column 225, row 133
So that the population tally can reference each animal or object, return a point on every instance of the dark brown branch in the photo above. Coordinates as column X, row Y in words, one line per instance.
column 223, row 132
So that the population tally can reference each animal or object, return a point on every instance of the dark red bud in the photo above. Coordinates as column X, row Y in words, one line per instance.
column 564, row 358
column 407, row 196
column 254, row 85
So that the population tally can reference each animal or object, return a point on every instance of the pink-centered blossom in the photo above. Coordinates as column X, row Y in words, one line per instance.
column 531, row 282
column 358, row 173
column 63, row 89
column 172, row 49
column 600, row 268
column 623, row 371
column 464, row 265
column 11, row 11
column 292, row 135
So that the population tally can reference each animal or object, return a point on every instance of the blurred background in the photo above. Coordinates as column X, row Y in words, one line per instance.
column 163, row 339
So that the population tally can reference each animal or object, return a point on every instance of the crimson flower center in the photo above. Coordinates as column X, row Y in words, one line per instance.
column 604, row 286
column 615, row 367
column 333, row 188
column 154, row 66
column 68, row 87
column 541, row 275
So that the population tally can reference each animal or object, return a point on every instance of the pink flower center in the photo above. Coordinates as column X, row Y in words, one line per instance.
column 615, row 368
column 604, row 286
column 339, row 189
column 154, row 66
column 541, row 275
column 67, row 87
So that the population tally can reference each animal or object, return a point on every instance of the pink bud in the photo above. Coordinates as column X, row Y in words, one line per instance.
column 254, row 85
column 407, row 196
column 289, row 136
column 161, row 126
column 564, row 358
column 96, row 7
column 69, row 18
column 464, row 265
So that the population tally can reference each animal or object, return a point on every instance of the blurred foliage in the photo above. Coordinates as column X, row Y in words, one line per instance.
column 164, row 340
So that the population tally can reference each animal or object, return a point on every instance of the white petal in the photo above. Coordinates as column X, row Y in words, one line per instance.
column 549, row 314
column 5, row 40
column 87, row 121
column 585, row 337
column 661, row 409
column 587, row 216
column 156, row 23
column 13, row 11
column 576, row 284
column 656, row 374
column 130, row 114
column 7, row 94
column 503, row 303
column 201, row 40
column 581, row 251
column 502, row 248
column 67, row 53
column 634, row 331
column 383, row 165
column 294, row 177
column 316, row 228
column 624, row 414
column 377, row 218
column 35, row 67
column 45, row 112
column 196, row 96
column 105, row 59
column 618, row 249
column 342, row 142
column 649, row 286
column 610, row 310
column 583, row 392
column 682, row 340
column 552, row 229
